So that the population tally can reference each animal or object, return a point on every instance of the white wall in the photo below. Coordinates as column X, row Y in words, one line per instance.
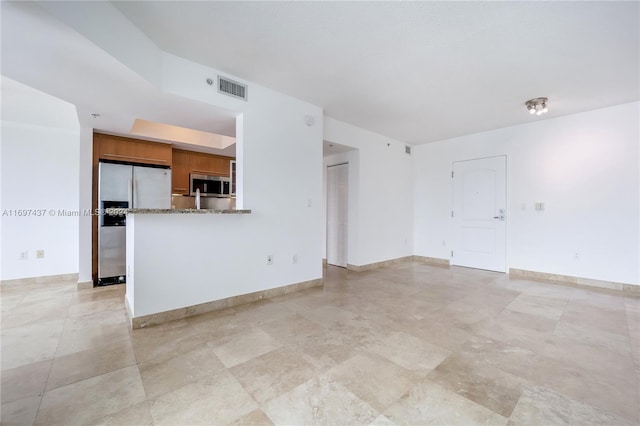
column 85, row 189
column 204, row 258
column 584, row 167
column 40, row 136
column 384, row 207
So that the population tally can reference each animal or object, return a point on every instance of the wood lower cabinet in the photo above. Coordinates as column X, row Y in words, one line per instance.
column 180, row 172
column 117, row 148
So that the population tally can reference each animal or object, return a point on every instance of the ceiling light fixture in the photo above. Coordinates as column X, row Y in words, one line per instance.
column 537, row 106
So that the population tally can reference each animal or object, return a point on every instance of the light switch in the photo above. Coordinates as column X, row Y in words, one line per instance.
column 540, row 206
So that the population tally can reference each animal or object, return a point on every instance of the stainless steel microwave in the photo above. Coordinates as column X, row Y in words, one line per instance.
column 209, row 186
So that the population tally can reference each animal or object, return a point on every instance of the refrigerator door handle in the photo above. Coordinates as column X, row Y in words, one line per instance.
column 130, row 195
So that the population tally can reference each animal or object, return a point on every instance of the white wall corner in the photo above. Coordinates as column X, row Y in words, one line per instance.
column 96, row 20
column 85, row 190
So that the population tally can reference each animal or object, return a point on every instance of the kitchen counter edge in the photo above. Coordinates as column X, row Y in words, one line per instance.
column 187, row 211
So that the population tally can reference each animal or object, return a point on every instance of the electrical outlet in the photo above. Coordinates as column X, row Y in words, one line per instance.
column 576, row 256
column 270, row 259
column 24, row 255
column 40, row 254
column 295, row 259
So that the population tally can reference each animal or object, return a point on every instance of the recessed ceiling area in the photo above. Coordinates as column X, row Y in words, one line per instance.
column 414, row 71
column 169, row 133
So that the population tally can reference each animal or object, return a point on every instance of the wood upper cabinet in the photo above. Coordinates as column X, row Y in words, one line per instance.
column 117, row 148
column 180, row 172
column 186, row 162
column 208, row 164
column 182, row 162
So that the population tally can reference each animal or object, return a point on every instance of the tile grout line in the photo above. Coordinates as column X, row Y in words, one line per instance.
column 626, row 314
column 53, row 360
column 373, row 318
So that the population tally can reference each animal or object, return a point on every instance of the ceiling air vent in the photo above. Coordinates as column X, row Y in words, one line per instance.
column 232, row 88
column 407, row 149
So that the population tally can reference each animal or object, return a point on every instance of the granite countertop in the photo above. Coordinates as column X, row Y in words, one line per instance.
column 187, row 211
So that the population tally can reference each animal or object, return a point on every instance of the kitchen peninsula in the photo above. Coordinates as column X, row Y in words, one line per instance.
column 188, row 211
column 187, row 262
column 135, row 173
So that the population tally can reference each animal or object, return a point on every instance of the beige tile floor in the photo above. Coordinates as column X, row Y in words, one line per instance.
column 409, row 344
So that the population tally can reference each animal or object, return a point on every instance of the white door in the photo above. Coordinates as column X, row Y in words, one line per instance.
column 479, row 213
column 337, row 201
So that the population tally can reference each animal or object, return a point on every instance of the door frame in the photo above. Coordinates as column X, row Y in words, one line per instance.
column 346, row 236
column 506, row 207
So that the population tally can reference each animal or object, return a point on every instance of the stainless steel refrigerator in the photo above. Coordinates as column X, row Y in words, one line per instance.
column 125, row 186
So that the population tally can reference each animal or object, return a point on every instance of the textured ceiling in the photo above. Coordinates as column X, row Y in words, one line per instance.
column 414, row 71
